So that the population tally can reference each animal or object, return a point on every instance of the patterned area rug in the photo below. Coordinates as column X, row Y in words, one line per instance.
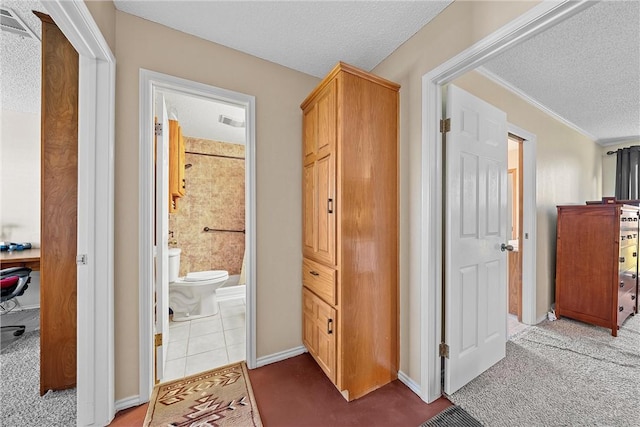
column 217, row 398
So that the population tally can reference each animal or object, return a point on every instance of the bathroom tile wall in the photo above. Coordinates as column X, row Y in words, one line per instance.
column 214, row 198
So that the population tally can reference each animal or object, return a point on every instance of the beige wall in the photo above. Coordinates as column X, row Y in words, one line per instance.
column 278, row 91
column 609, row 167
column 104, row 13
column 568, row 170
column 457, row 28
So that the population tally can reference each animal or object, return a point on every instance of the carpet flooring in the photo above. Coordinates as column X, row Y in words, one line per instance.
column 562, row 373
column 20, row 400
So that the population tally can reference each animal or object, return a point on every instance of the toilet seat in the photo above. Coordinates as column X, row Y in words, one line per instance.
column 199, row 276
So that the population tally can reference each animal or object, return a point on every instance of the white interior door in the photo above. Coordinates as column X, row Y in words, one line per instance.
column 162, row 239
column 476, row 227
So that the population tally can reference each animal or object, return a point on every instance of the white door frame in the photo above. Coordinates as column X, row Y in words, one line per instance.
column 529, row 224
column 96, row 109
column 429, row 251
column 149, row 82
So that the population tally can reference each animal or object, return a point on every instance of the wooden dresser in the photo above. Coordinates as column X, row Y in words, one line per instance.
column 597, row 263
column 350, row 229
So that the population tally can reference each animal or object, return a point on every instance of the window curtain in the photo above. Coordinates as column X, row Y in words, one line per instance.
column 627, row 173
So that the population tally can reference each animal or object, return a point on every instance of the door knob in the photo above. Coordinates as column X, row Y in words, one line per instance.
column 505, row 247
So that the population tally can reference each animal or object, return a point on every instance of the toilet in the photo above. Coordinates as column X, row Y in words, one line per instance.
column 194, row 295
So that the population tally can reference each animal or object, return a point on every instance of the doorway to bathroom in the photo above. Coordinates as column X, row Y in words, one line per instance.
column 199, row 291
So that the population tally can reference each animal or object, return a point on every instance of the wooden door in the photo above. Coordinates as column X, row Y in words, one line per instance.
column 476, row 227
column 319, row 177
column 59, row 199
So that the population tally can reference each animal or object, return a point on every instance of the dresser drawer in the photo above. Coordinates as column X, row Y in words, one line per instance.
column 627, row 281
column 628, row 238
column 628, row 258
column 319, row 279
column 626, row 305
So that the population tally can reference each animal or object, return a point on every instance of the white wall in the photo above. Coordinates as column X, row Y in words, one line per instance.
column 20, row 186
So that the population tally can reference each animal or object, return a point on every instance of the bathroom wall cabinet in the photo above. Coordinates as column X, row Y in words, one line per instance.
column 350, row 229
column 176, row 164
column 597, row 263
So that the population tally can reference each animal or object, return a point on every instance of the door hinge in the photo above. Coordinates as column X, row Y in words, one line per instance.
column 444, row 350
column 445, row 125
column 158, row 129
column 81, row 259
column 158, row 340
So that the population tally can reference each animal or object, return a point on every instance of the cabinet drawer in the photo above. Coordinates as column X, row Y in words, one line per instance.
column 628, row 238
column 627, row 281
column 626, row 305
column 628, row 220
column 320, row 279
column 628, row 258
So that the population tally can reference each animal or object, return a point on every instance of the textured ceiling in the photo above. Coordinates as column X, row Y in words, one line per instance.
column 308, row 36
column 20, row 67
column 585, row 69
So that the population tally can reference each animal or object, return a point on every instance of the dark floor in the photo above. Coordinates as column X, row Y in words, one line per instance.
column 296, row 393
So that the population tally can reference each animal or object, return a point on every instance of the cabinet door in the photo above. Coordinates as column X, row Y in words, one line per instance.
column 319, row 323
column 319, row 177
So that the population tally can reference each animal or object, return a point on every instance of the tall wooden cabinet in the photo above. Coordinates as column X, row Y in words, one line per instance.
column 597, row 263
column 350, row 229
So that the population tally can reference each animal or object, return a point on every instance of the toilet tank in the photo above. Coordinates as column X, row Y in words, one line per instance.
column 174, row 264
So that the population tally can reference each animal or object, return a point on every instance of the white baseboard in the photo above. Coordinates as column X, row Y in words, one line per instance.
column 413, row 386
column 127, row 402
column 278, row 357
column 540, row 319
column 231, row 292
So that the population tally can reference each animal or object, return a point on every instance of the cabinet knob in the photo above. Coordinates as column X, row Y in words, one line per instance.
column 621, row 284
column 330, row 326
column 620, row 308
column 314, row 273
column 633, row 276
column 330, row 205
column 621, row 259
column 633, row 297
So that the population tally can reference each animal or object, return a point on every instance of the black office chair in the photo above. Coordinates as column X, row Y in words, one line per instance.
column 13, row 282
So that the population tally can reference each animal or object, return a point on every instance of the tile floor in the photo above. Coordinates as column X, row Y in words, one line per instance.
column 513, row 326
column 202, row 344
